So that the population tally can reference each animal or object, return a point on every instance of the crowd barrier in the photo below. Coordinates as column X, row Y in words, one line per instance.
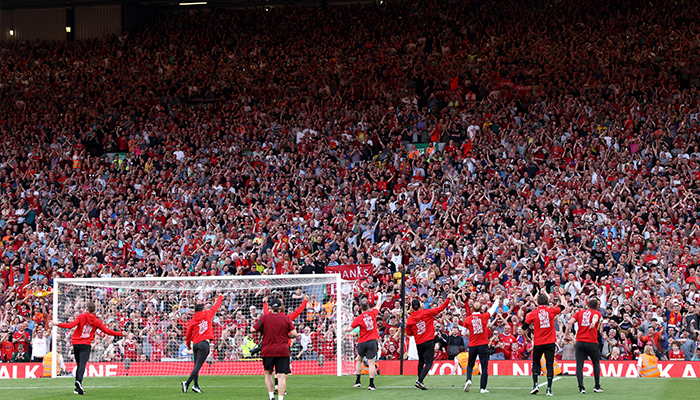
column 669, row 369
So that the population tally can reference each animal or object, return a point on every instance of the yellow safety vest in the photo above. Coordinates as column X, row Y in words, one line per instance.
column 557, row 367
column 463, row 359
column 365, row 368
column 650, row 368
column 247, row 346
column 47, row 364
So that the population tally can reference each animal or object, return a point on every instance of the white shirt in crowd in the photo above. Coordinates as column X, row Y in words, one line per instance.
column 40, row 346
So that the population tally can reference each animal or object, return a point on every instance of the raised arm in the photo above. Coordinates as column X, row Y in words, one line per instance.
column 438, row 310
column 216, row 306
column 266, row 309
column 569, row 325
column 299, row 309
column 494, row 307
column 101, row 326
column 380, row 300
column 68, row 325
column 562, row 299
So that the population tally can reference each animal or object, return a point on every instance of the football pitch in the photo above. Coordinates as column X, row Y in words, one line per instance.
column 332, row 387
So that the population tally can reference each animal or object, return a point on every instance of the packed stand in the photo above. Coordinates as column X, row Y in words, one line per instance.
column 562, row 150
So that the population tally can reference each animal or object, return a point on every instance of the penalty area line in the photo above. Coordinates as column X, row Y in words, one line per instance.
column 553, row 380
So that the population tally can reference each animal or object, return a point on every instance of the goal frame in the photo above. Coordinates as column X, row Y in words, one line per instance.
column 87, row 281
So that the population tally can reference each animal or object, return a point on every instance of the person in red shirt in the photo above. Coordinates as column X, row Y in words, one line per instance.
column 158, row 344
column 367, row 343
column 22, row 336
column 82, row 338
column 6, row 346
column 199, row 331
column 516, row 351
column 440, row 353
column 477, row 325
column 507, row 339
column 653, row 337
column 492, row 275
column 293, row 316
column 587, row 342
column 129, row 348
column 545, row 337
column 421, row 325
column 328, row 346
column 277, row 329
column 676, row 354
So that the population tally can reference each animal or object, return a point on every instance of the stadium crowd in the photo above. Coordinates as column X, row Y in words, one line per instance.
column 483, row 147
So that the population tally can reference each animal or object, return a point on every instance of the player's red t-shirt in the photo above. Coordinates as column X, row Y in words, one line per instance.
column 477, row 324
column 87, row 324
column 292, row 316
column 275, row 329
column 542, row 320
column 586, row 332
column 367, row 321
column 200, row 326
column 421, row 324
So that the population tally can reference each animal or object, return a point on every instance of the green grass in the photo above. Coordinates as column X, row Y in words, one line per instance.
column 331, row 387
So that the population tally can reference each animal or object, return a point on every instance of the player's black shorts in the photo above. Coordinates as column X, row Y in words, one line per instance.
column 280, row 364
column 367, row 349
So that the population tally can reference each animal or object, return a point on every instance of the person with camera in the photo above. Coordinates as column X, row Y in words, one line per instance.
column 421, row 325
column 200, row 332
column 277, row 329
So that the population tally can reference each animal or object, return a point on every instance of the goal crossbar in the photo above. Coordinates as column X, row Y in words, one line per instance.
column 200, row 283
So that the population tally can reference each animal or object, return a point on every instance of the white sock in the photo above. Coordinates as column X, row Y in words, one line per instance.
column 272, row 395
column 280, row 397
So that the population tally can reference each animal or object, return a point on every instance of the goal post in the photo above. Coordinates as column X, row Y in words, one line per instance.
column 153, row 313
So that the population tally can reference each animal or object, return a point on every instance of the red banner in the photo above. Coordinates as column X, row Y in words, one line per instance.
column 351, row 272
column 21, row 370
column 669, row 369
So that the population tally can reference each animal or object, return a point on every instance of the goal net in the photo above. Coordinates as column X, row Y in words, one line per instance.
column 153, row 314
